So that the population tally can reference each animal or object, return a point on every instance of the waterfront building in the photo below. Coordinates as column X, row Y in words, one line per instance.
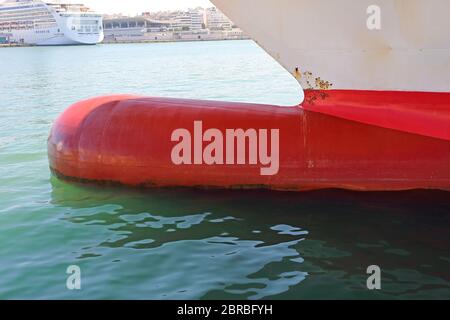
column 216, row 20
column 191, row 20
column 138, row 28
column 190, row 25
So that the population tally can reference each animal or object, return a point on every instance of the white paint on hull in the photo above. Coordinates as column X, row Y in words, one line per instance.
column 329, row 39
column 54, row 37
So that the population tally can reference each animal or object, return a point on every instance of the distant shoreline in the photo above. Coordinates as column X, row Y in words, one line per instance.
column 18, row 45
column 168, row 41
column 14, row 45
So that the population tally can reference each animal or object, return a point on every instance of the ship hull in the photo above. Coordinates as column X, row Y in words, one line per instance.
column 55, row 38
column 127, row 140
column 375, row 115
column 389, row 45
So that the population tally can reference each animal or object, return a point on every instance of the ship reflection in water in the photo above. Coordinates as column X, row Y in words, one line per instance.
column 190, row 244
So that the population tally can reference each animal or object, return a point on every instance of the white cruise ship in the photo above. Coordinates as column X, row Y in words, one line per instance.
column 49, row 22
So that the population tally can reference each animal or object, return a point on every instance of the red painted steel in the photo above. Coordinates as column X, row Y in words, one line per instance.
column 360, row 140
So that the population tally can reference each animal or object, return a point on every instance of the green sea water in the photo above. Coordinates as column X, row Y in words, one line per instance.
column 192, row 244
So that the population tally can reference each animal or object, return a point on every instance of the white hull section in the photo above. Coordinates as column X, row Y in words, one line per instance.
column 53, row 37
column 328, row 45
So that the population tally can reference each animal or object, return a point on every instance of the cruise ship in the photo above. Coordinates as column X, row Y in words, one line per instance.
column 49, row 23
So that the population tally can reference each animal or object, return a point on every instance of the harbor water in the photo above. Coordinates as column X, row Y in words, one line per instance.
column 192, row 244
